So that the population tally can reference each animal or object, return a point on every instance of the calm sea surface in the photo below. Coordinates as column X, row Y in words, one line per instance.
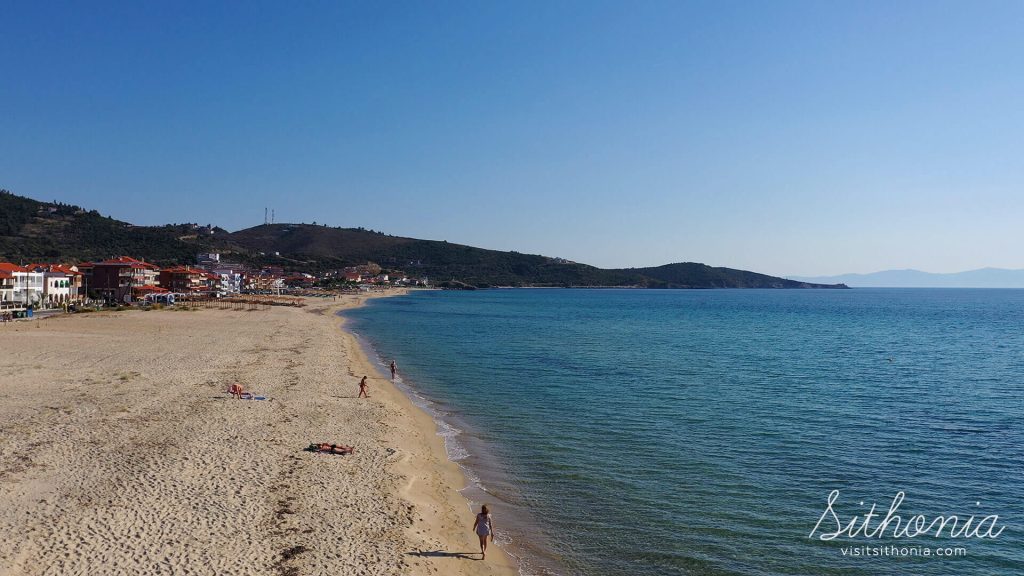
column 644, row 432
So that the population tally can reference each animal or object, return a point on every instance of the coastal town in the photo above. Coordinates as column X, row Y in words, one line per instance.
column 124, row 280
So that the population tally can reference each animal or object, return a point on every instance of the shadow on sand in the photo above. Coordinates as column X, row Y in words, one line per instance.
column 443, row 554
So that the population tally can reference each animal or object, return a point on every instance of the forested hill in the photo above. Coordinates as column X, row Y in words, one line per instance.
column 32, row 231
column 694, row 275
column 439, row 260
column 39, row 231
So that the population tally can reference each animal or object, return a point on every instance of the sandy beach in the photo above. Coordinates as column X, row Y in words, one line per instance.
column 120, row 453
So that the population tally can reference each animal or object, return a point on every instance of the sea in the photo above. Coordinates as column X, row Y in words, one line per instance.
column 747, row 432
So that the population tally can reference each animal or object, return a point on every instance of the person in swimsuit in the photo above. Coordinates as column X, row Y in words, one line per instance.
column 236, row 390
column 483, row 528
column 362, row 389
column 394, row 370
column 336, row 448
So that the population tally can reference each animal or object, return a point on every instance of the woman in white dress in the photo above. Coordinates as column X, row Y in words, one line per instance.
column 484, row 528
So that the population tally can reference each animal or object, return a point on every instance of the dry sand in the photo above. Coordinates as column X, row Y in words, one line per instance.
column 121, row 454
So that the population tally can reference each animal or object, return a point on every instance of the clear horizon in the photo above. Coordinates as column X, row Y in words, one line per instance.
column 792, row 139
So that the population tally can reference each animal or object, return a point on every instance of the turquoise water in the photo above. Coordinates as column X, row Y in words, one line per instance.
column 641, row 432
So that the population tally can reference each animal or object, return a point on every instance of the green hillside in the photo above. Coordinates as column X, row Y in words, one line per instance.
column 694, row 275
column 31, row 230
column 41, row 231
column 322, row 247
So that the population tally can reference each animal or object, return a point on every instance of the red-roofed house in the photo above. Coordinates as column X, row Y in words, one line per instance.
column 143, row 291
column 183, row 279
column 213, row 283
column 263, row 283
column 122, row 279
column 298, row 281
column 22, row 287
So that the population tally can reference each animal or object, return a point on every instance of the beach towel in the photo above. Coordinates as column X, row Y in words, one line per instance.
column 249, row 396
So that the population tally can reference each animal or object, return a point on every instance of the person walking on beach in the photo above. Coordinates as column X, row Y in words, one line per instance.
column 394, row 370
column 483, row 528
column 362, row 389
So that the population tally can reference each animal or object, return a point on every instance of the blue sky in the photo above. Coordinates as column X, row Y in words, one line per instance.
column 781, row 137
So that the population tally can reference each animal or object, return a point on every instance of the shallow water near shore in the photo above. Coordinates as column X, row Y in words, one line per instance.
column 629, row 432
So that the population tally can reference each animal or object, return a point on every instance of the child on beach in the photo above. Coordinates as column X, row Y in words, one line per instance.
column 362, row 389
column 483, row 528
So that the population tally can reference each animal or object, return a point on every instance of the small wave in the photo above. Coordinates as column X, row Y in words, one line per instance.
column 474, row 480
column 455, row 450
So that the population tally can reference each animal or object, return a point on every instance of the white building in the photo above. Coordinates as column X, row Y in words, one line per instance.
column 6, row 290
column 56, row 289
column 25, row 288
column 208, row 259
column 230, row 279
column 61, row 284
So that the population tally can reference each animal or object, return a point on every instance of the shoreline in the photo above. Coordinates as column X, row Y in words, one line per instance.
column 120, row 451
column 486, row 476
column 452, row 474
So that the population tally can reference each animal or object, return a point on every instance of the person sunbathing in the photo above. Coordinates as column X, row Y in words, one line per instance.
column 336, row 448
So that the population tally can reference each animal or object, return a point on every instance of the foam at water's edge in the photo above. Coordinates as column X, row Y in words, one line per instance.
column 454, row 449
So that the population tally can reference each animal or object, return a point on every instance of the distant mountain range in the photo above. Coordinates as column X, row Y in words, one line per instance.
column 981, row 278
column 34, row 231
